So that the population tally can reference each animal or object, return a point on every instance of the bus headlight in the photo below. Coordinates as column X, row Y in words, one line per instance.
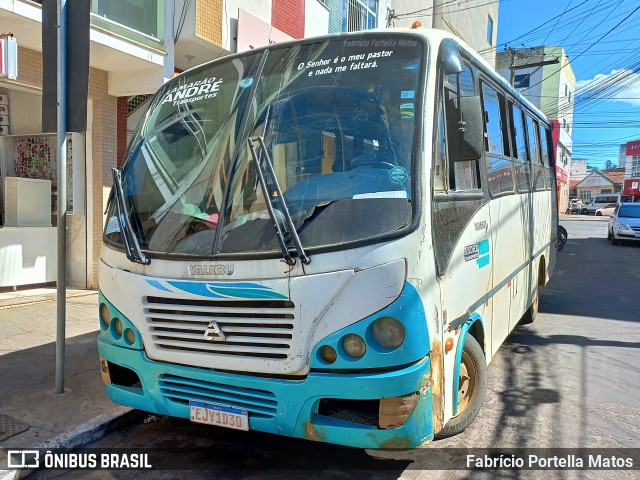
column 328, row 354
column 105, row 316
column 388, row 332
column 354, row 345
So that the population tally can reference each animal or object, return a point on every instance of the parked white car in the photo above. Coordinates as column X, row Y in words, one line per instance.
column 624, row 223
column 608, row 210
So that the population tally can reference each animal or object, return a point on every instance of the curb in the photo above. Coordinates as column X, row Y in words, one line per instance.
column 24, row 301
column 79, row 436
column 584, row 218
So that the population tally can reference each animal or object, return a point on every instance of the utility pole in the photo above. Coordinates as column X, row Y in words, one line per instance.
column 512, row 67
column 61, row 279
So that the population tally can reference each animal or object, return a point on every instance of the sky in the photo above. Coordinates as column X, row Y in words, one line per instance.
column 602, row 41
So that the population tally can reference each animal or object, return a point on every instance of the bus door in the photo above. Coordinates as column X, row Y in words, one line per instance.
column 460, row 218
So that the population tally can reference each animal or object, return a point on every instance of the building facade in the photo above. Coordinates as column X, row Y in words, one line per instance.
column 632, row 169
column 129, row 54
column 610, row 181
column 545, row 77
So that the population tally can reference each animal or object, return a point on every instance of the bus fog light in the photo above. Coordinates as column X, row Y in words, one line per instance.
column 116, row 328
column 328, row 354
column 388, row 332
column 105, row 316
column 354, row 345
column 129, row 336
column 394, row 411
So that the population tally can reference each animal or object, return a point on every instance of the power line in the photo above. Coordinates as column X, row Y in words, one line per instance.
column 590, row 46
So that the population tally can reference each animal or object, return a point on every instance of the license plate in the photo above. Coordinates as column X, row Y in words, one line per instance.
column 637, row 235
column 219, row 415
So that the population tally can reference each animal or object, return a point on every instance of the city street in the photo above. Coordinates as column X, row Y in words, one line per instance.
column 568, row 380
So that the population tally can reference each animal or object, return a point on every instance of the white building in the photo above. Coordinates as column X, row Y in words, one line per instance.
column 476, row 22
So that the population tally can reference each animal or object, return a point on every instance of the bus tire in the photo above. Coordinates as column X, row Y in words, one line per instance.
column 532, row 312
column 474, row 366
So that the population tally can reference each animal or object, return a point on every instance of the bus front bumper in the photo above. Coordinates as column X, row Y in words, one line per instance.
column 286, row 407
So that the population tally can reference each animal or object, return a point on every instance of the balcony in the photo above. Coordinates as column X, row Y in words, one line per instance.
column 141, row 21
column 127, row 39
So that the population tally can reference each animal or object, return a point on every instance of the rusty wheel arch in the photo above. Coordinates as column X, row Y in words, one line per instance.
column 477, row 331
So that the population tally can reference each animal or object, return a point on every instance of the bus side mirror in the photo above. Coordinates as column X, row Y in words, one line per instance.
column 469, row 143
column 450, row 57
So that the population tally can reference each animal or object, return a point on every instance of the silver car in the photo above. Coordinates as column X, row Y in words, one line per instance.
column 624, row 223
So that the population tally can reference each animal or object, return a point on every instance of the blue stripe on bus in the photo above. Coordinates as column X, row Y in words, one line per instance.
column 456, row 369
column 157, row 284
column 243, row 290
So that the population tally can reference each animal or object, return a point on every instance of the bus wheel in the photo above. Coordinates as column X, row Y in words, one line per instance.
column 532, row 312
column 472, row 388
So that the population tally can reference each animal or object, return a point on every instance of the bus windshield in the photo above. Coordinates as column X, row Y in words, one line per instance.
column 338, row 119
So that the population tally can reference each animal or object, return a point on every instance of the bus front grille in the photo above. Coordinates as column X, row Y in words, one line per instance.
column 248, row 328
column 259, row 403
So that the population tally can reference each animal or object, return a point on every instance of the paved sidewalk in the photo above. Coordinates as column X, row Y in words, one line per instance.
column 27, row 372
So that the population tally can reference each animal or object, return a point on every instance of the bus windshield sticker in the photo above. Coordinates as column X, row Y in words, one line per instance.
column 406, row 110
column 112, row 226
column 246, row 82
column 471, row 252
column 398, row 174
column 407, row 94
column 199, row 90
column 391, row 194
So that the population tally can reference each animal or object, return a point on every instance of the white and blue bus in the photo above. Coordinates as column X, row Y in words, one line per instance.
column 327, row 239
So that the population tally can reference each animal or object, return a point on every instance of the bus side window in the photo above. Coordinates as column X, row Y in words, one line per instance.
column 499, row 168
column 519, row 143
column 440, row 161
column 546, row 156
column 537, row 177
column 463, row 175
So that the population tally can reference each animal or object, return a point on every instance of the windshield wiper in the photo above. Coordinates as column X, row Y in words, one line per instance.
column 287, row 215
column 288, row 259
column 129, row 238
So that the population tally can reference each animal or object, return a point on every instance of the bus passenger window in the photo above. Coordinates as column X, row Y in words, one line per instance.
column 521, row 161
column 499, row 168
column 546, row 159
column 534, row 154
column 493, row 126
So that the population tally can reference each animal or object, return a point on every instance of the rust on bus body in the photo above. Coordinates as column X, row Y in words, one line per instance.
column 437, row 385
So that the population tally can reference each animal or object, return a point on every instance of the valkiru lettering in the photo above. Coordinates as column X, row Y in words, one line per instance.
column 197, row 269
